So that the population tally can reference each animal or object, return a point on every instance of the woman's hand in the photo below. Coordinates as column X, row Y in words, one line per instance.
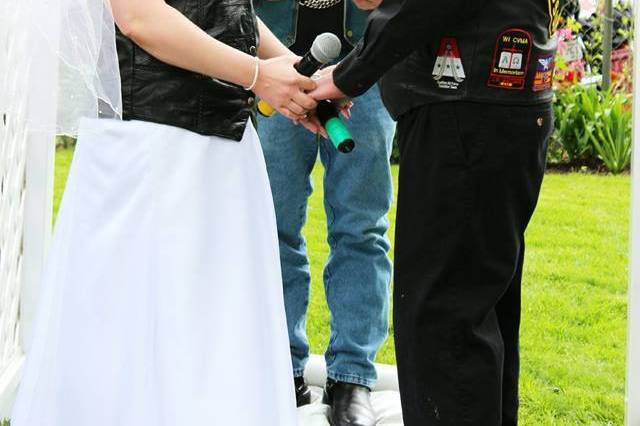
column 280, row 85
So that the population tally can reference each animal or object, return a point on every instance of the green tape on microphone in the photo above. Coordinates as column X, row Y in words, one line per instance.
column 339, row 135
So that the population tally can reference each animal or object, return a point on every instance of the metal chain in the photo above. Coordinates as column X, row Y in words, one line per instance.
column 319, row 4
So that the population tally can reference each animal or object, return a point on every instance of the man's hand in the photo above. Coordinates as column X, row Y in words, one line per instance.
column 368, row 4
column 326, row 88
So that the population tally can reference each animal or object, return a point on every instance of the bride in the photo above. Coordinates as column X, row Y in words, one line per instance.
column 162, row 302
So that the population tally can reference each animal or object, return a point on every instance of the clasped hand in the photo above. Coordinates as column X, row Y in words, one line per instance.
column 296, row 96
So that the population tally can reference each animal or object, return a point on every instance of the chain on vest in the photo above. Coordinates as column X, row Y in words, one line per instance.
column 319, row 4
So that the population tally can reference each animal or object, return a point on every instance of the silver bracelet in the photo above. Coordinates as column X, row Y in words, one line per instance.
column 255, row 76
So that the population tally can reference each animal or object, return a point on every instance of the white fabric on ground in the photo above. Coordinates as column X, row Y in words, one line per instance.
column 162, row 304
column 385, row 397
column 385, row 403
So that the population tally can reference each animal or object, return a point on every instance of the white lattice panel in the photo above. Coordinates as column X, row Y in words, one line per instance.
column 28, row 76
column 13, row 152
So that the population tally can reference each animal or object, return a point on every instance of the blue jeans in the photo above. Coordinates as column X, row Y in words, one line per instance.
column 357, row 197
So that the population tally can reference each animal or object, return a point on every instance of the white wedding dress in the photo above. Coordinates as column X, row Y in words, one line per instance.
column 162, row 303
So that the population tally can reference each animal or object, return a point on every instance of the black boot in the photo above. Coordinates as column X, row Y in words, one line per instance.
column 303, row 393
column 350, row 404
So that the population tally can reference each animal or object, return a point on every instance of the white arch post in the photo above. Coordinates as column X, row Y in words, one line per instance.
column 633, row 342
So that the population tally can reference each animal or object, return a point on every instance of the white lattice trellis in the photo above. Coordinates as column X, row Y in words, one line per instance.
column 13, row 147
column 12, row 190
column 26, row 163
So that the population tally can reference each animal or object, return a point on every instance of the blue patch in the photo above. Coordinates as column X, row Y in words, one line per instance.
column 545, row 66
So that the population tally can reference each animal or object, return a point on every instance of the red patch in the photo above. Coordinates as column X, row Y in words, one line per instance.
column 448, row 71
column 511, row 60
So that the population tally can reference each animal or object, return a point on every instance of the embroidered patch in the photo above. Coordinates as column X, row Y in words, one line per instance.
column 511, row 60
column 448, row 71
column 543, row 79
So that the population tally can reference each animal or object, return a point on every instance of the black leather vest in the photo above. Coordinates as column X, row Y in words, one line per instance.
column 502, row 52
column 157, row 92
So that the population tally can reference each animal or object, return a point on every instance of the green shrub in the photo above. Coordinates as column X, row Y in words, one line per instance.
column 571, row 106
column 610, row 131
column 592, row 127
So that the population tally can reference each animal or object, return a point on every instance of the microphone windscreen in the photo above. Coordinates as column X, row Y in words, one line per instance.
column 326, row 48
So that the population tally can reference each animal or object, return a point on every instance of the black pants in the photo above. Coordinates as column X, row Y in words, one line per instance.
column 470, row 176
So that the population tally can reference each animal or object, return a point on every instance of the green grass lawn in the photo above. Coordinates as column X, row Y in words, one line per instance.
column 574, row 319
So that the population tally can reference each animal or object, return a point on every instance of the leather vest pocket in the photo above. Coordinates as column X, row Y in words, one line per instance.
column 246, row 44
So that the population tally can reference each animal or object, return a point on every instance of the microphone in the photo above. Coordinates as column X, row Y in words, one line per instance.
column 326, row 48
column 338, row 132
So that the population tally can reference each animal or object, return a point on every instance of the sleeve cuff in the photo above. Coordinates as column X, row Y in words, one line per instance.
column 354, row 77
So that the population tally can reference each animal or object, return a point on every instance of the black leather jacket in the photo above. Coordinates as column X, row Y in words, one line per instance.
column 492, row 51
column 157, row 92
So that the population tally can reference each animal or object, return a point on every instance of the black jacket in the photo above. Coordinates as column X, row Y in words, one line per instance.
column 155, row 91
column 493, row 51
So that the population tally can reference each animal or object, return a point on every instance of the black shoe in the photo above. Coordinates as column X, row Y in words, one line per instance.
column 303, row 393
column 350, row 404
